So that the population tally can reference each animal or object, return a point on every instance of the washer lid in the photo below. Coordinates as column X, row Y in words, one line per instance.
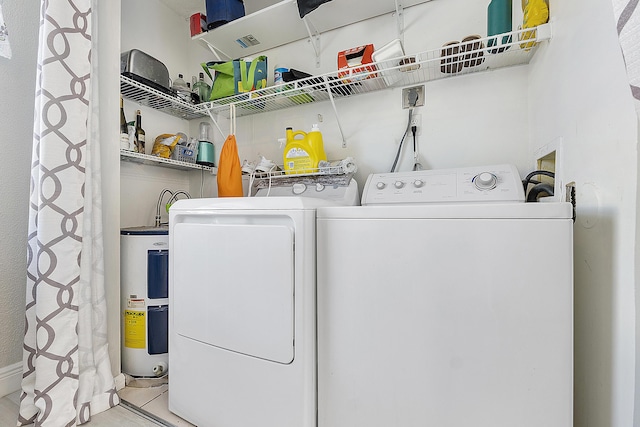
column 454, row 211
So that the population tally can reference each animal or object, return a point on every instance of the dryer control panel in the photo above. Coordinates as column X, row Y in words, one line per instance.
column 481, row 184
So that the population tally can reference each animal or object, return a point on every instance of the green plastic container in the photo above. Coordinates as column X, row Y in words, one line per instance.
column 498, row 22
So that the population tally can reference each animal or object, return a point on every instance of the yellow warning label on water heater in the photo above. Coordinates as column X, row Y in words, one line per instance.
column 135, row 329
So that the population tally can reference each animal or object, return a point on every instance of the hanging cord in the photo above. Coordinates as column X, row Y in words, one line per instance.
column 417, row 166
column 395, row 161
column 201, row 183
column 252, row 178
column 528, row 179
column 540, row 190
column 270, row 176
column 232, row 119
column 413, row 99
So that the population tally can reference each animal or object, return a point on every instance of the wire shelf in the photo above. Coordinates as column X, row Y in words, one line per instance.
column 452, row 60
column 330, row 175
column 458, row 59
column 153, row 98
column 146, row 159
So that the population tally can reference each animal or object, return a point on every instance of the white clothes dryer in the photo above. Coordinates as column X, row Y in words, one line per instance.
column 242, row 315
column 445, row 301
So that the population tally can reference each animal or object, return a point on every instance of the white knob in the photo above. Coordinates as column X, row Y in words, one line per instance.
column 299, row 188
column 418, row 183
column 380, row 185
column 319, row 186
column 485, row 181
column 398, row 184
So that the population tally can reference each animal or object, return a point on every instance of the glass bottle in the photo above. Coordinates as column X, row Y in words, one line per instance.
column 181, row 88
column 140, row 134
column 124, row 130
column 202, row 89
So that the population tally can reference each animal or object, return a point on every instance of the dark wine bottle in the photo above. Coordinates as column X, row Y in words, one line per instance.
column 140, row 135
column 124, row 130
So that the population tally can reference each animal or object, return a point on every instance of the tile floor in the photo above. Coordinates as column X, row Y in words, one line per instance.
column 155, row 401
column 142, row 407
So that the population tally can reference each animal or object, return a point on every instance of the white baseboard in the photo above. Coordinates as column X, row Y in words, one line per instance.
column 10, row 379
column 120, row 381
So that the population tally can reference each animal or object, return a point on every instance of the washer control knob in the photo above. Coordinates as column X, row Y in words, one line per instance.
column 485, row 181
column 398, row 184
column 299, row 188
column 418, row 183
column 319, row 187
column 381, row 185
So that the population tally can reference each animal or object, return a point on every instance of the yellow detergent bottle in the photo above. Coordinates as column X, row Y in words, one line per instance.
column 303, row 151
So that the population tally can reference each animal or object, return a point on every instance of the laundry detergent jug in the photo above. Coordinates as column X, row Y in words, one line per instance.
column 303, row 151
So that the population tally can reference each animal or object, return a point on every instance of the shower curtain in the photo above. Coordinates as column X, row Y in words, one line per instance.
column 627, row 15
column 66, row 369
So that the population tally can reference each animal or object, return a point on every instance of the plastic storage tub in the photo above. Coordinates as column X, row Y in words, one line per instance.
column 220, row 12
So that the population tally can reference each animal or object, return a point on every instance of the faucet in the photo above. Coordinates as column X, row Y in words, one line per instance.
column 162, row 194
column 172, row 199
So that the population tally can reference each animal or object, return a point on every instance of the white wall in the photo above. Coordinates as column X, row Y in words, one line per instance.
column 164, row 36
column 578, row 93
column 456, row 131
column 108, row 14
column 469, row 120
column 17, row 86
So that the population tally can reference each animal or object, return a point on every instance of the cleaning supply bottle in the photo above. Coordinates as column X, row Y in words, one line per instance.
column 303, row 151
column 499, row 22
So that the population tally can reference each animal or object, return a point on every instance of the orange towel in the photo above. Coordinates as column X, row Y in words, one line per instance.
column 229, row 170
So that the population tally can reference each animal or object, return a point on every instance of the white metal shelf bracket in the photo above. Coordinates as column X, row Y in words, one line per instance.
column 400, row 21
column 215, row 50
column 543, row 32
column 335, row 111
column 314, row 39
column 215, row 123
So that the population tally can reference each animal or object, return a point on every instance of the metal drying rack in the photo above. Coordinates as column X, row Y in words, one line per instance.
column 331, row 175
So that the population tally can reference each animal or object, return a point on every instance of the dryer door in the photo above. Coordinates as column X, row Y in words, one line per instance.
column 233, row 286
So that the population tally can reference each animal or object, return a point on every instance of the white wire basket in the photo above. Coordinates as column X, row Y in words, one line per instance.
column 331, row 175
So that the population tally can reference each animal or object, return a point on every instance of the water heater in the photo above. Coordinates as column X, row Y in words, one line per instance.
column 144, row 301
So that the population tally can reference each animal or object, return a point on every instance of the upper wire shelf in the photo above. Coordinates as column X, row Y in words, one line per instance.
column 153, row 98
column 457, row 59
column 448, row 61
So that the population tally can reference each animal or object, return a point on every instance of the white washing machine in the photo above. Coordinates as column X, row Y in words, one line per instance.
column 242, row 318
column 445, row 301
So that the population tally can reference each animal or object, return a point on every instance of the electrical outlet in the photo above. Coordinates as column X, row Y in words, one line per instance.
column 416, row 120
column 405, row 96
